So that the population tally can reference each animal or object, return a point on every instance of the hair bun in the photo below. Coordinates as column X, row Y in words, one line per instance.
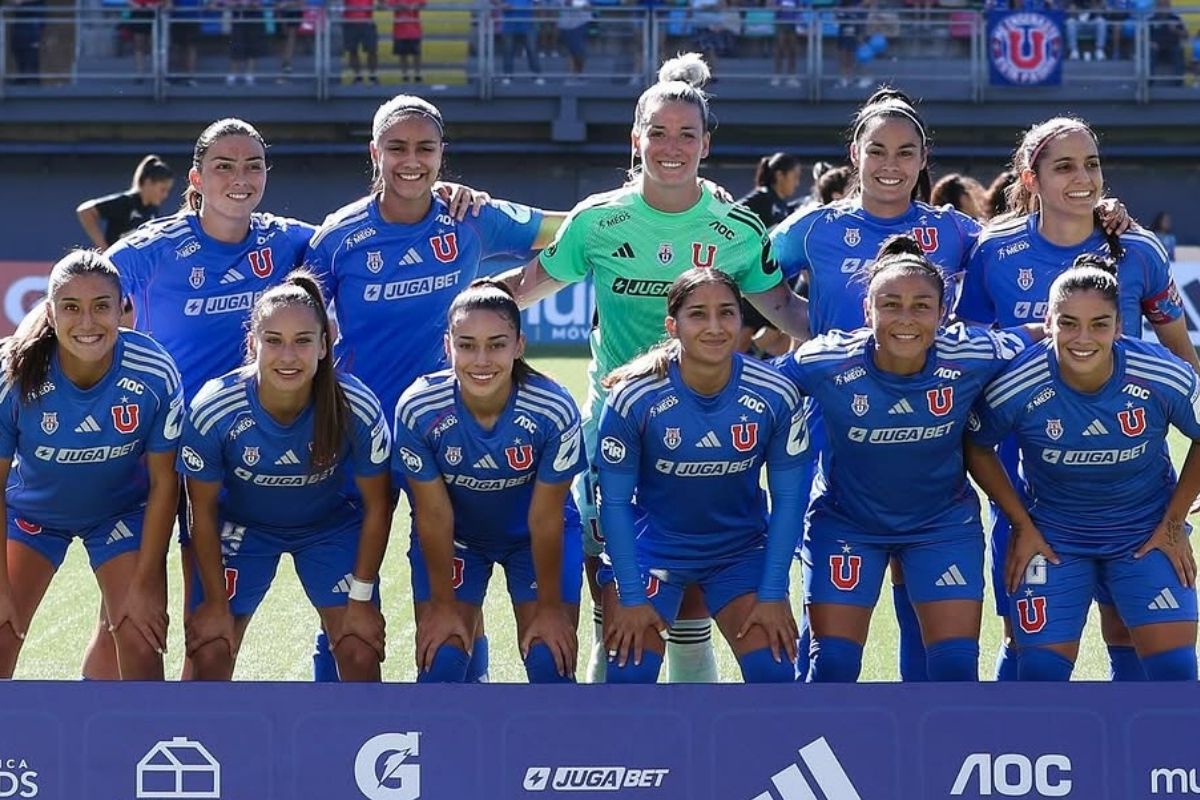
column 687, row 67
column 900, row 244
column 1095, row 261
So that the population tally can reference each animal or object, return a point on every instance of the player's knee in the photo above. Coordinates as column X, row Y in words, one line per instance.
column 760, row 666
column 212, row 661
column 1173, row 665
column 356, row 660
column 540, row 666
column 835, row 660
column 449, row 666
column 1043, row 664
column 646, row 672
column 953, row 660
column 132, row 646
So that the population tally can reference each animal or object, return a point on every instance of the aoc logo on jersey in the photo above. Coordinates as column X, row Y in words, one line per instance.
column 191, row 459
column 1054, row 428
column 1026, row 48
column 374, row 260
column 1031, row 612
column 1133, row 420
column 672, row 438
column 454, row 456
column 851, row 237
column 941, row 400
column 744, row 436
column 384, row 768
column 612, row 449
column 411, row 460
column 250, row 456
column 196, row 279
column 125, row 417
column 1025, row 278
column 49, row 422
column 860, row 405
column 444, row 246
column 703, row 255
column 666, row 253
column 845, row 570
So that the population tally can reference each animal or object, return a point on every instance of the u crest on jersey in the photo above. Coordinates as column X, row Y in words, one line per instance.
column 845, row 571
column 125, row 417
column 860, row 405
column 519, row 457
column 1133, row 421
column 703, row 255
column 49, row 422
column 1025, row 278
column 444, row 246
column 744, row 436
column 927, row 238
column 941, row 400
column 672, row 438
column 196, row 279
column 1031, row 613
column 1054, row 429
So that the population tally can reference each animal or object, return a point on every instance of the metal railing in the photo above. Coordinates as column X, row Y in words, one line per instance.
column 809, row 54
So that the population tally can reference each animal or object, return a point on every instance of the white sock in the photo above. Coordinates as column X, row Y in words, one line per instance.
column 597, row 669
column 690, row 657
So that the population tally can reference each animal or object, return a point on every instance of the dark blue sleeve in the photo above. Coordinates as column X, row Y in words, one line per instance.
column 617, row 521
column 789, row 498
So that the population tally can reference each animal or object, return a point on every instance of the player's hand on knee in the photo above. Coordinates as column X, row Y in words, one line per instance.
column 439, row 624
column 365, row 622
column 1170, row 537
column 778, row 623
column 1025, row 542
column 460, row 199
column 144, row 608
column 552, row 624
column 626, row 631
column 212, row 621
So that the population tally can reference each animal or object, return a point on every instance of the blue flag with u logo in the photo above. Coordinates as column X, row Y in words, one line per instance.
column 1025, row 48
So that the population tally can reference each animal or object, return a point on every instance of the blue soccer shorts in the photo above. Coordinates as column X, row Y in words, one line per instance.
column 113, row 537
column 720, row 584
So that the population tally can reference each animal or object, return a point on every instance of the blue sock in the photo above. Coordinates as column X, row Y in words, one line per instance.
column 913, row 660
column 1124, row 664
column 1173, row 665
column 759, row 666
column 1041, row 664
column 449, row 666
column 835, row 660
column 324, row 664
column 477, row 670
column 1006, row 662
column 540, row 666
column 954, row 660
column 803, row 659
column 646, row 672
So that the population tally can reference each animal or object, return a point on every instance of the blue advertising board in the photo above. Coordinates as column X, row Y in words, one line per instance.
column 563, row 319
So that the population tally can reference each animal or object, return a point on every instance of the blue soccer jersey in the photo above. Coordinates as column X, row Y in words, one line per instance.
column 489, row 473
column 834, row 243
column 392, row 284
column 698, row 462
column 267, row 482
column 1096, row 470
column 78, row 454
column 193, row 294
column 1010, row 271
column 895, row 470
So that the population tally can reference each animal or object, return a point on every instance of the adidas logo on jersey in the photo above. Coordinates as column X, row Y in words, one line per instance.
column 89, row 425
column 710, row 440
column 287, row 459
column 232, row 276
column 1095, row 429
column 827, row 776
column 901, row 407
column 1163, row 600
column 121, row 531
column 485, row 463
column 624, row 251
column 951, row 577
column 411, row 257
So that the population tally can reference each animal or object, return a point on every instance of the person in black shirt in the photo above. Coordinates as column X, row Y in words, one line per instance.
column 124, row 211
column 775, row 180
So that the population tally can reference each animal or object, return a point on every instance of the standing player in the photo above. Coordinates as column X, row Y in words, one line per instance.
column 124, row 211
column 91, row 418
column 633, row 242
column 1091, row 410
column 692, row 418
column 268, row 452
column 896, row 394
column 486, row 452
column 193, row 276
column 1059, row 185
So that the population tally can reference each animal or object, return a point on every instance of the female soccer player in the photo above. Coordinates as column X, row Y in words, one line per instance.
column 634, row 241
column 776, row 179
column 91, row 418
column 1091, row 409
column 124, row 211
column 894, row 394
column 694, row 419
column 1007, row 283
column 285, row 455
column 487, row 451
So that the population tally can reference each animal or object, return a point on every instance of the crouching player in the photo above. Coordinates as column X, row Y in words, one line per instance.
column 683, row 438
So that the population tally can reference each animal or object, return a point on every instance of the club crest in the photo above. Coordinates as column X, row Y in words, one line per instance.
column 1054, row 429
column 196, row 279
column 860, row 404
column 49, row 422
column 1025, row 278
column 250, row 456
column 851, row 237
column 454, row 456
column 666, row 253
column 374, row 260
column 672, row 438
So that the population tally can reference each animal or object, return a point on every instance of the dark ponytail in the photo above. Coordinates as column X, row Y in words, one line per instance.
column 771, row 166
column 489, row 294
column 151, row 169
column 1090, row 272
column 27, row 353
column 331, row 409
column 1116, row 250
column 904, row 255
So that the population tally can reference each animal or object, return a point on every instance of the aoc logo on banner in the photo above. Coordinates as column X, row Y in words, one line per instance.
column 1025, row 48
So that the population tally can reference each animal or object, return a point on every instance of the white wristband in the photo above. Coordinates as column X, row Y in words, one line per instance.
column 361, row 590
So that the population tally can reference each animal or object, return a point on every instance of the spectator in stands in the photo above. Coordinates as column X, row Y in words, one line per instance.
column 706, row 17
column 406, row 37
column 961, row 192
column 1117, row 12
column 1161, row 226
column 247, row 38
column 139, row 25
column 1168, row 34
column 788, row 27
column 1087, row 14
column 359, row 33
column 28, row 20
column 852, row 30
column 519, row 31
column 547, row 29
column 183, row 35
column 289, row 14
column 124, row 211
column 573, row 21
column 996, row 196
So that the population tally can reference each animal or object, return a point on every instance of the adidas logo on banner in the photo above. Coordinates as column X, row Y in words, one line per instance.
column 710, row 440
column 411, row 257
column 951, row 577
column 1095, row 429
column 827, row 773
column 901, row 407
column 485, row 463
column 624, row 251
column 121, row 531
column 87, row 426
column 1163, row 600
column 232, row 276
column 287, row 459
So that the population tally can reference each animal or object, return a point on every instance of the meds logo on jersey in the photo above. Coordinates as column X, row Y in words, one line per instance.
column 374, row 260
column 666, row 253
column 49, row 422
column 386, row 769
column 612, row 449
column 196, row 279
column 250, row 456
column 860, row 405
column 672, row 438
column 851, row 237
column 191, row 459
column 1025, row 278
column 1025, row 48
column 411, row 460
column 1054, row 428
column 454, row 456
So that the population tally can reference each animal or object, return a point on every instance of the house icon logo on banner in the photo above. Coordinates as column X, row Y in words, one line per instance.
column 178, row 769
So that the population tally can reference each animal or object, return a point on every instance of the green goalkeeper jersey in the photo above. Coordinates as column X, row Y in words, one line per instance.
column 634, row 252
